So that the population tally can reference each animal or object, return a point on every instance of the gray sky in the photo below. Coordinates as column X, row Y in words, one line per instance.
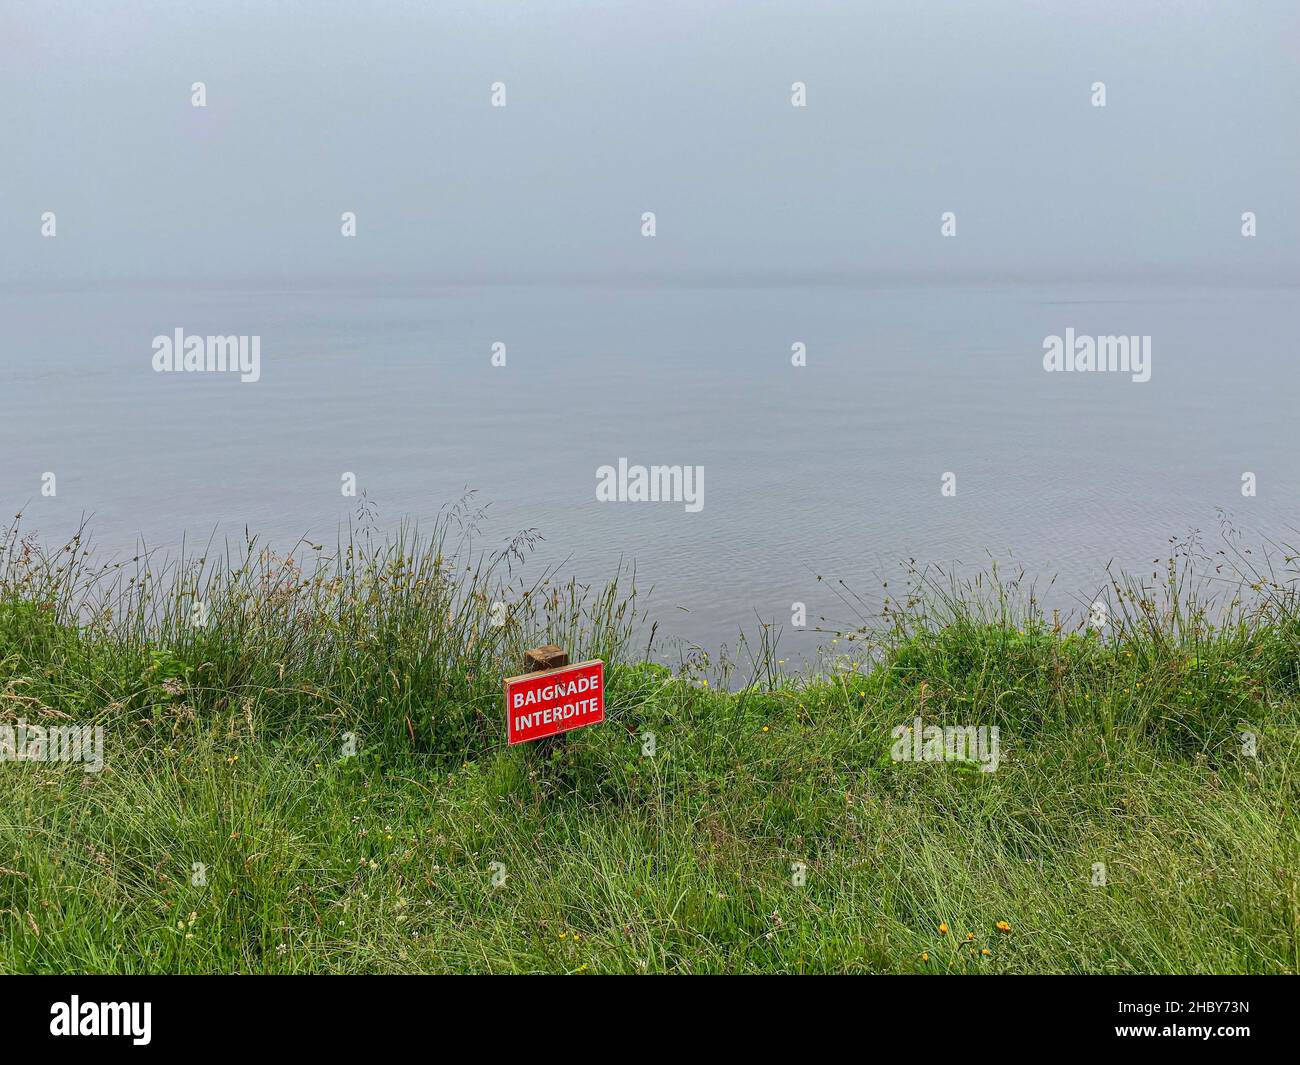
column 619, row 108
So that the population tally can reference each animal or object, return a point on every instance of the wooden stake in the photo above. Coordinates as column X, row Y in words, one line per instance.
column 550, row 656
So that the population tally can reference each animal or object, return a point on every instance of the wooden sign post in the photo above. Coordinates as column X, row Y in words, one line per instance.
column 552, row 656
column 537, row 659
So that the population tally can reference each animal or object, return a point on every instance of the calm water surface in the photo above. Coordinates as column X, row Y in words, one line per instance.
column 833, row 469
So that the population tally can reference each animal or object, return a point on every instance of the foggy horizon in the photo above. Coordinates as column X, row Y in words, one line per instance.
column 314, row 110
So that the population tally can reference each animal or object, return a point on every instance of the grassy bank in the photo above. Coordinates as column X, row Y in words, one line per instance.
column 231, row 829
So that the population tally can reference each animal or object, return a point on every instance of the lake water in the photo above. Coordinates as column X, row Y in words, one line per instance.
column 832, row 469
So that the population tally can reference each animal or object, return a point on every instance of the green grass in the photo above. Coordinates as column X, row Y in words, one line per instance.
column 225, row 752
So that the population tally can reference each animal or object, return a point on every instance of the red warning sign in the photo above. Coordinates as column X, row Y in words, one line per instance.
column 554, row 700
